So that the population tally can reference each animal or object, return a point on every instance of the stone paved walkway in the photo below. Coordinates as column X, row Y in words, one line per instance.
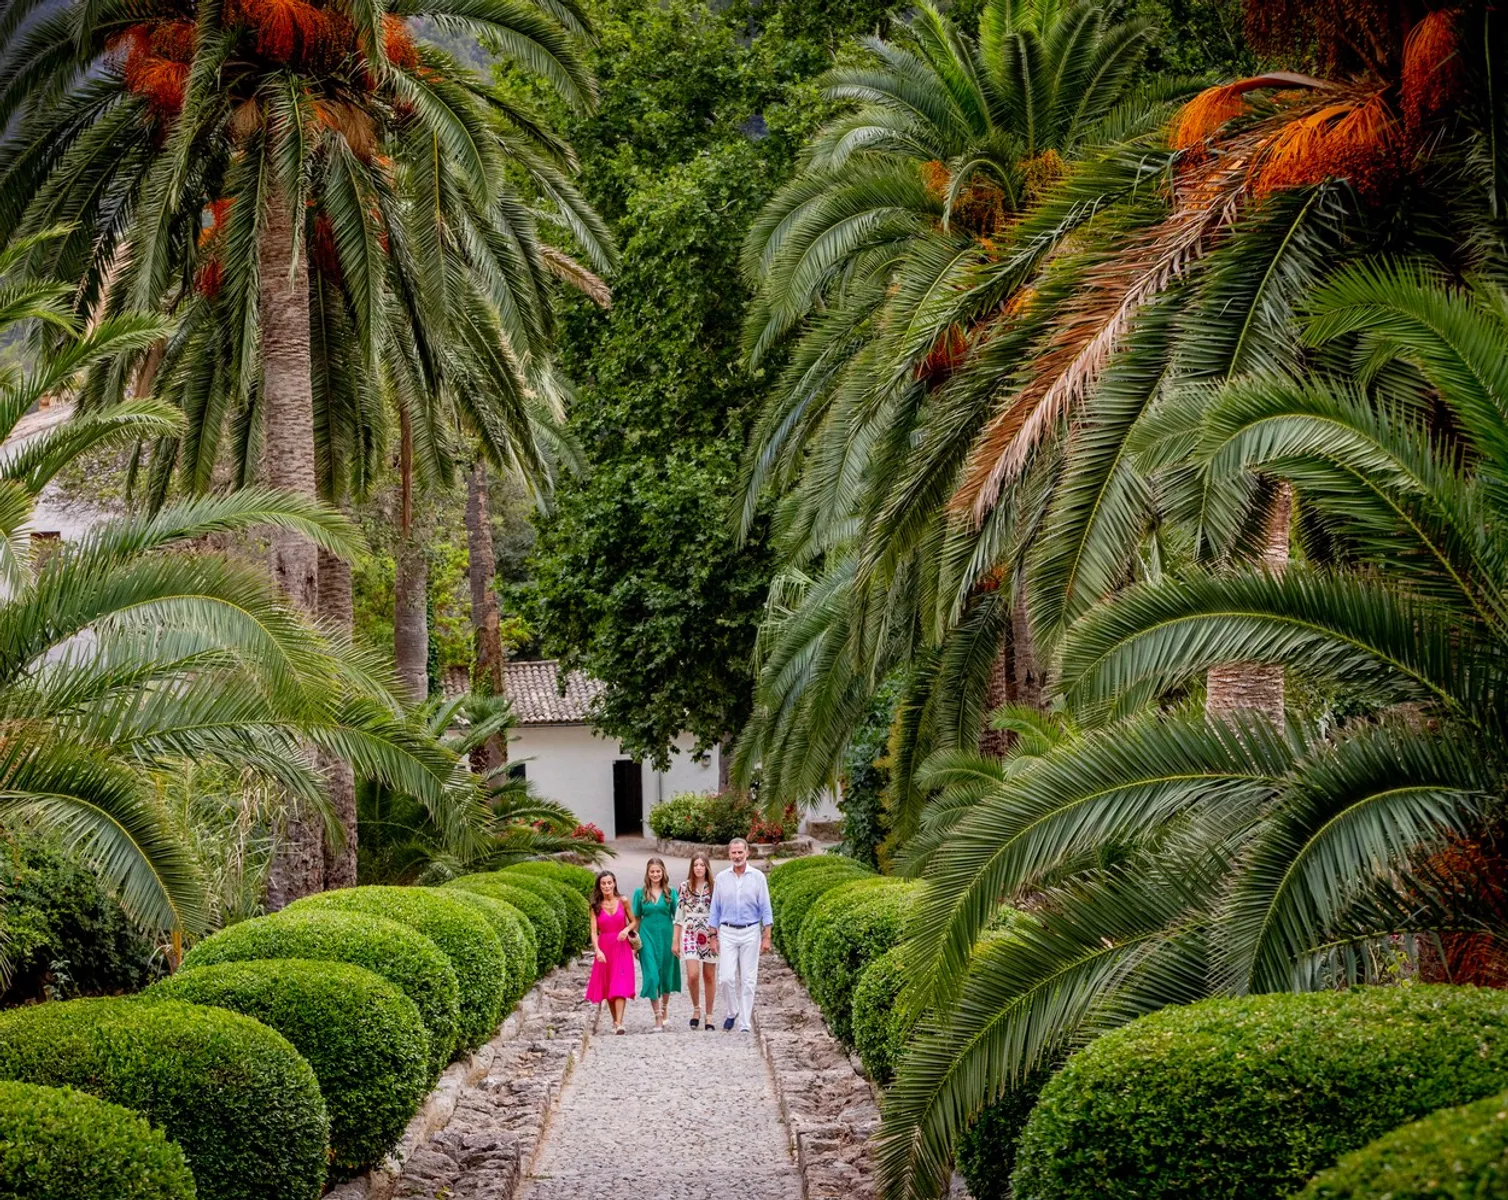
column 649, row 1115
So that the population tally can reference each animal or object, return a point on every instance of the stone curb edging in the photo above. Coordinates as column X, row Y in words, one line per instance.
column 476, row 1134
column 828, row 1106
column 792, row 848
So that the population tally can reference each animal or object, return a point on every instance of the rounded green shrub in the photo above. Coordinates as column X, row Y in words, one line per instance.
column 362, row 1036
column 1455, row 1154
column 830, row 905
column 791, row 902
column 571, row 907
column 462, row 934
column 517, row 936
column 837, row 943
column 236, row 1097
column 1248, row 1098
column 794, row 868
column 881, row 1027
column 579, row 878
column 59, row 1144
column 549, row 932
column 987, row 1148
column 405, row 958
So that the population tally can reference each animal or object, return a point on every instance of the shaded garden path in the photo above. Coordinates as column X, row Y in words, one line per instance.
column 683, row 1115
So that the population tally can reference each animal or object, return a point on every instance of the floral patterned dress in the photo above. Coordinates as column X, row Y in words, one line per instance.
column 691, row 912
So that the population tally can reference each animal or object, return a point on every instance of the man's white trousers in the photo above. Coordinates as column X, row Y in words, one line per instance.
column 738, row 970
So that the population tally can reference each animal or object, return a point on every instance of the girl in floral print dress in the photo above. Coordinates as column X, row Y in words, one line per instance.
column 692, row 937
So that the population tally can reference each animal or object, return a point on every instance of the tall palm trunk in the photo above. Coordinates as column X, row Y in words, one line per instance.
column 411, row 582
column 336, row 611
column 486, row 621
column 1256, row 687
column 298, row 865
column 1015, row 677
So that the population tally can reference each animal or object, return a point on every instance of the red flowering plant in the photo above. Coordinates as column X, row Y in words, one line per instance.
column 588, row 829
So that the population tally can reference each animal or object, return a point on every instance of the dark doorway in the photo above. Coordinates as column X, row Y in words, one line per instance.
column 628, row 798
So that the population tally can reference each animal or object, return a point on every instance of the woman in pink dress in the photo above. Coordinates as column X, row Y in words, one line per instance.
column 613, row 966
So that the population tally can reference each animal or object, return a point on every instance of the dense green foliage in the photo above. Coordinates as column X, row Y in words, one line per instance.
column 791, row 897
column 238, row 1099
column 835, row 904
column 516, row 934
column 571, row 907
column 402, row 956
column 1454, row 1154
column 1250, row 1097
column 363, row 1038
column 59, row 1144
column 702, row 113
column 709, row 818
column 881, row 1027
column 579, row 878
column 988, row 1146
column 549, row 929
column 839, row 940
column 462, row 935
column 865, row 778
column 65, row 936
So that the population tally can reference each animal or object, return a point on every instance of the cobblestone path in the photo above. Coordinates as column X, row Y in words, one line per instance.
column 681, row 1115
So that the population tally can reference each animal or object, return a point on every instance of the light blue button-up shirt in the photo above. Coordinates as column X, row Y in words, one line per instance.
column 740, row 899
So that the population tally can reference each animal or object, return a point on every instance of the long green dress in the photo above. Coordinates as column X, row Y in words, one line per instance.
column 660, row 970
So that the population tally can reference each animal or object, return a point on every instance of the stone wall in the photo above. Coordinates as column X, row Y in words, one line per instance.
column 477, row 1132
column 794, row 848
column 828, row 1105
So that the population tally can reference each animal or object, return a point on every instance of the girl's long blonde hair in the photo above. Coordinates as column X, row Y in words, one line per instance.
column 691, row 873
column 664, row 877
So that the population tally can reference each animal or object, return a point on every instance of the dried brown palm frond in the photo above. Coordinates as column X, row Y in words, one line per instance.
column 568, row 270
column 1203, row 116
column 1208, row 196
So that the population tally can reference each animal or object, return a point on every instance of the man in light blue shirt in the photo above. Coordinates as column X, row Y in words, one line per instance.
column 740, row 922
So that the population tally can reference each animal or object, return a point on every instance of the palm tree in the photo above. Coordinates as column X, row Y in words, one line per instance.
column 881, row 261
column 1164, row 857
column 322, row 202
column 405, row 842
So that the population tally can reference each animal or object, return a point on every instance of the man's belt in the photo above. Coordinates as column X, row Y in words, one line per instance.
column 750, row 925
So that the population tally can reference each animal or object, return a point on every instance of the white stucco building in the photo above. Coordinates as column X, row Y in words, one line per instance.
column 568, row 761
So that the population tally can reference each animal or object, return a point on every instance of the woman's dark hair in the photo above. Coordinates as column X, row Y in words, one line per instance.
column 691, row 872
column 597, row 896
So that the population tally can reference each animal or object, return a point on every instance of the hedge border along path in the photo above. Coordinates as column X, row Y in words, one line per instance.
column 1248, row 1098
column 361, row 1035
column 840, row 940
column 881, row 1027
column 574, row 910
column 577, row 878
column 236, row 1097
column 403, row 957
column 549, row 931
column 61, row 1144
column 1454, row 1154
column 462, row 934
column 831, row 905
column 792, row 897
column 516, row 933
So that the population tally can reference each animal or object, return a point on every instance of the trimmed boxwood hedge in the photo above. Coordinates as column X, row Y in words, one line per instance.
column 578, row 878
column 234, row 1095
column 830, row 905
column 549, row 930
column 793, row 899
column 1455, row 1154
column 362, row 1036
column 794, row 868
column 1248, row 1098
column 839, row 940
column 881, row 1027
column 516, row 933
column 571, row 907
column 59, row 1144
column 463, row 935
column 399, row 954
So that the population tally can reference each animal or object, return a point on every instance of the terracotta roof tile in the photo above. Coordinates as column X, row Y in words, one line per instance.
column 533, row 689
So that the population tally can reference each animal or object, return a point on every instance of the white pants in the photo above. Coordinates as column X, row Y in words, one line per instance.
column 738, row 970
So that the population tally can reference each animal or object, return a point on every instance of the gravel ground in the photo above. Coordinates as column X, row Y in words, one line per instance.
column 681, row 1115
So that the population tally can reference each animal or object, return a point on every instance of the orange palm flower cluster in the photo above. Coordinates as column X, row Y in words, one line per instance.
column 155, row 63
column 1473, row 875
column 945, row 356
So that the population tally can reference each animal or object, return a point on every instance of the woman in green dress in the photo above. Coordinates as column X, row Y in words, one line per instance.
column 659, row 969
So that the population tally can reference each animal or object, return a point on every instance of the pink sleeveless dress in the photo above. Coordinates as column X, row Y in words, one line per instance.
column 613, row 979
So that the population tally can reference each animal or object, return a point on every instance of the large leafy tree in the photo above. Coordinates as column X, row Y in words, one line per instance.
column 637, row 579
column 323, row 202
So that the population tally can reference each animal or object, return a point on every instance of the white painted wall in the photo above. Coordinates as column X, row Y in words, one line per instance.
column 573, row 764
